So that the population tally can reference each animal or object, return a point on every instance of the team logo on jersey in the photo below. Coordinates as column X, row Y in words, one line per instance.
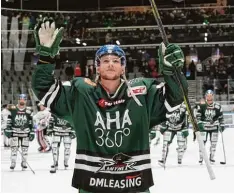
column 174, row 117
column 118, row 163
column 104, row 103
column 138, row 90
column 209, row 114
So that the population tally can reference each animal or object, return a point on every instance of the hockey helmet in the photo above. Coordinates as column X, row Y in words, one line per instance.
column 110, row 49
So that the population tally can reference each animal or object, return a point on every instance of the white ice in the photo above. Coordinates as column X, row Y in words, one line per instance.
column 190, row 177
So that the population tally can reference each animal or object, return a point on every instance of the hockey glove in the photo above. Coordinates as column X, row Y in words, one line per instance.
column 221, row 129
column 47, row 38
column 31, row 136
column 185, row 133
column 201, row 127
column 8, row 133
column 162, row 130
column 170, row 57
column 73, row 135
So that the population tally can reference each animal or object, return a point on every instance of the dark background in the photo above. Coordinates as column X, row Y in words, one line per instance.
column 83, row 5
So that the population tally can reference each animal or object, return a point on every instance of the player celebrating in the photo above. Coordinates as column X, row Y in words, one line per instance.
column 111, row 117
column 61, row 130
column 210, row 115
column 176, row 124
column 20, row 130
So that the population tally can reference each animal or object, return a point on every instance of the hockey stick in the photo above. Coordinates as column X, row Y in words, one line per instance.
column 164, row 162
column 26, row 161
column 224, row 153
column 189, row 109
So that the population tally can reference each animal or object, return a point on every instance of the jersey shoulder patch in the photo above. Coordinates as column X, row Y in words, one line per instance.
column 28, row 110
column 217, row 105
column 138, row 90
column 89, row 82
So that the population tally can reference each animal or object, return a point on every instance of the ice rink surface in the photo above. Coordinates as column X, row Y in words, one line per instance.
column 190, row 177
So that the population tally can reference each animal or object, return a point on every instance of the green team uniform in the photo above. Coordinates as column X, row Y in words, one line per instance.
column 211, row 117
column 19, row 122
column 20, row 130
column 59, row 127
column 176, row 124
column 176, row 121
column 112, row 132
column 62, row 131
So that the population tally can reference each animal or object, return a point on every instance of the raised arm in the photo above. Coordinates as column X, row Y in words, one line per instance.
column 48, row 89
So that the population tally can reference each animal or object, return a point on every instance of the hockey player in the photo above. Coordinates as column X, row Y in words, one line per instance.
column 176, row 124
column 19, row 130
column 210, row 119
column 111, row 117
column 41, row 122
column 4, row 115
column 61, row 131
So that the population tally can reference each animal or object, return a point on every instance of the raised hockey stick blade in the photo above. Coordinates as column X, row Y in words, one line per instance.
column 189, row 109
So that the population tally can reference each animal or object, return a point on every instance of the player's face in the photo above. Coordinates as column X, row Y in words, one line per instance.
column 110, row 67
column 209, row 98
column 22, row 102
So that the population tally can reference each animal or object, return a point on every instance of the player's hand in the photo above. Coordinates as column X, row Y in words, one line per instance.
column 47, row 37
column 201, row 127
column 73, row 135
column 185, row 133
column 170, row 57
column 8, row 134
column 221, row 129
column 31, row 136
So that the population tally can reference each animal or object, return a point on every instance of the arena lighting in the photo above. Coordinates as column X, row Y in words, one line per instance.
column 84, row 44
column 117, row 42
column 205, row 39
column 77, row 40
column 206, row 34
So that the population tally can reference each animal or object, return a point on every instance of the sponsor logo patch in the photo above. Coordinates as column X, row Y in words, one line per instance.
column 104, row 103
column 138, row 90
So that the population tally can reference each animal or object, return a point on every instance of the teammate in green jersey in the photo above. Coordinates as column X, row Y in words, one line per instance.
column 61, row 131
column 210, row 116
column 19, row 130
column 176, row 124
column 112, row 116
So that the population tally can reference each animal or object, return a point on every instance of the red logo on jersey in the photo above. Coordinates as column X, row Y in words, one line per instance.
column 104, row 103
column 138, row 90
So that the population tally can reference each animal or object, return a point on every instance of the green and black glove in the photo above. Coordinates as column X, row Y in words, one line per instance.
column 170, row 57
column 221, row 128
column 8, row 133
column 185, row 133
column 31, row 136
column 47, row 38
column 201, row 127
column 73, row 135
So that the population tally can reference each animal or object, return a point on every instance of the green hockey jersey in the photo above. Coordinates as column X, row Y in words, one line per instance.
column 112, row 132
column 176, row 120
column 59, row 126
column 210, row 115
column 19, row 121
